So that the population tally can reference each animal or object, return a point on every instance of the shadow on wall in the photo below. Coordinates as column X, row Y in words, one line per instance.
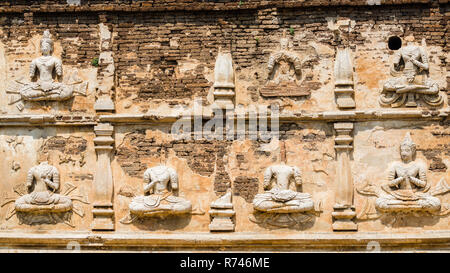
column 167, row 222
column 293, row 221
column 46, row 218
column 405, row 220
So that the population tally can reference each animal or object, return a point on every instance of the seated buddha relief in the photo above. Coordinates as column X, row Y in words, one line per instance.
column 406, row 191
column 283, row 204
column 45, row 79
column 410, row 80
column 407, row 187
column 43, row 184
column 278, row 198
column 42, row 200
column 159, row 198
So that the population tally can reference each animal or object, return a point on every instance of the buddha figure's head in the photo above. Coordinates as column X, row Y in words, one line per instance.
column 46, row 44
column 407, row 149
column 284, row 41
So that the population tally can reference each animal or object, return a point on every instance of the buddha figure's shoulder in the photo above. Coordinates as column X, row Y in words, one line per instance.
column 407, row 50
column 401, row 51
column 396, row 165
column 148, row 171
column 55, row 60
column 420, row 164
column 33, row 169
column 276, row 169
column 47, row 59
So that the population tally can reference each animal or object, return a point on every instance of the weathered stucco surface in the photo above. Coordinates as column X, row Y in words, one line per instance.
column 143, row 65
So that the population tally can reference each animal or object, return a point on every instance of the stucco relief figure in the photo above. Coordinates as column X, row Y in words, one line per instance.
column 406, row 192
column 284, row 59
column 159, row 198
column 42, row 200
column 42, row 184
column 410, row 71
column 278, row 198
column 407, row 187
column 284, row 73
column 43, row 86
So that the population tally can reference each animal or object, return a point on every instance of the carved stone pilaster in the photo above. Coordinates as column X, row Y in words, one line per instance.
column 224, row 81
column 343, row 74
column 103, row 212
column 343, row 209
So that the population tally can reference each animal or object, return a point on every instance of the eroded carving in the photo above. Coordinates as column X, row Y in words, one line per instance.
column 279, row 198
column 160, row 181
column 410, row 83
column 42, row 183
column 106, row 72
column 284, row 73
column 280, row 207
column 159, row 199
column 45, row 87
column 70, row 150
column 41, row 202
column 407, row 189
column 14, row 141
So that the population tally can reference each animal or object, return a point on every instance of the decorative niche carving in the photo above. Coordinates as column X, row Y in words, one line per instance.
column 224, row 86
column 410, row 80
column 407, row 190
column 42, row 202
column 160, row 196
column 221, row 214
column 284, row 73
column 43, row 85
column 343, row 74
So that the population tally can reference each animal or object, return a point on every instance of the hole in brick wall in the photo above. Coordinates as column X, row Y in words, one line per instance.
column 394, row 43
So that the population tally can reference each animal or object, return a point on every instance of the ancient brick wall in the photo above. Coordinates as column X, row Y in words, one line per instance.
column 137, row 68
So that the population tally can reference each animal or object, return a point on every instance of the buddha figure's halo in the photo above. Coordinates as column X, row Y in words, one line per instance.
column 408, row 142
